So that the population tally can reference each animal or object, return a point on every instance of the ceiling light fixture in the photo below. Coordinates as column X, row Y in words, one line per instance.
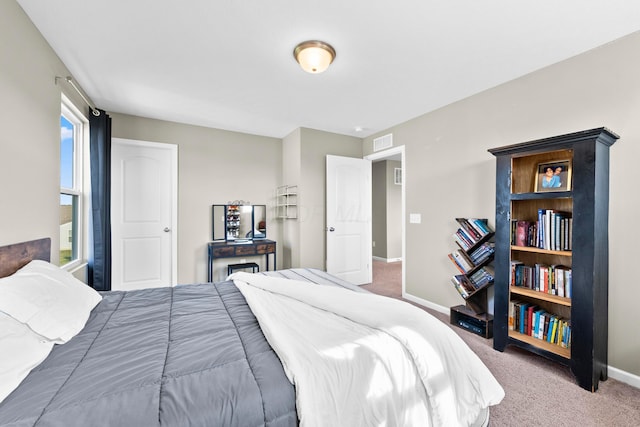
column 314, row 56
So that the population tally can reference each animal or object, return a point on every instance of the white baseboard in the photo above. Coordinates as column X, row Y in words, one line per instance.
column 624, row 376
column 615, row 373
column 428, row 304
column 377, row 258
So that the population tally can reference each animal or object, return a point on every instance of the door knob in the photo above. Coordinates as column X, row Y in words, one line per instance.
column 167, row 229
column 332, row 229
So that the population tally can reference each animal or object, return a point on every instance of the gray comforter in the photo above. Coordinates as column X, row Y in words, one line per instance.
column 193, row 355
column 189, row 355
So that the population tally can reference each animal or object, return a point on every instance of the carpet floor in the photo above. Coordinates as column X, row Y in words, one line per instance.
column 538, row 392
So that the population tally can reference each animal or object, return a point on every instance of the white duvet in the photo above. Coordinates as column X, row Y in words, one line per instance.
column 360, row 359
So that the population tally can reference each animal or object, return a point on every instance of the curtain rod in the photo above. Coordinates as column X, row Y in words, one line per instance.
column 69, row 80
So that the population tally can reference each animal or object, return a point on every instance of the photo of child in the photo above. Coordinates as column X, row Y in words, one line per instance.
column 553, row 176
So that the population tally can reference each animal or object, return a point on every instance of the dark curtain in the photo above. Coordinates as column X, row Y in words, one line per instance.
column 100, row 151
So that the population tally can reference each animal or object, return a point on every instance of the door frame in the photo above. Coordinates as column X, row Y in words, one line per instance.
column 173, row 150
column 385, row 155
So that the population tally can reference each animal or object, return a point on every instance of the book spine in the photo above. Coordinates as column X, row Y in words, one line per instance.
column 522, row 230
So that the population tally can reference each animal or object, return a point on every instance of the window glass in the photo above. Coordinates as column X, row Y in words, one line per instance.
column 66, row 153
column 72, row 133
column 68, row 228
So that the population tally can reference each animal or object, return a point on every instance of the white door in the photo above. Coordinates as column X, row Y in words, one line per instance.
column 349, row 219
column 143, row 214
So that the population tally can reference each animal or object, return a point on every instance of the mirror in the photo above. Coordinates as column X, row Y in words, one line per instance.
column 259, row 221
column 239, row 222
column 218, row 223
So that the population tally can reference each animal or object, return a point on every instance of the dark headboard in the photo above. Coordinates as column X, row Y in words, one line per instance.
column 13, row 257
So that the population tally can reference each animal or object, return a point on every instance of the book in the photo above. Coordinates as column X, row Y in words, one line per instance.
column 547, row 227
column 545, row 333
column 480, row 225
column 461, row 290
column 461, row 241
column 523, row 310
column 541, row 320
column 512, row 274
column 464, row 234
column 541, row 229
column 529, row 319
column 511, row 320
column 522, row 231
column 553, row 325
column 458, row 266
column 466, row 237
column 462, row 260
column 462, row 281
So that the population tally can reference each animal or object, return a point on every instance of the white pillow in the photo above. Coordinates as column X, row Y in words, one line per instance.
column 48, row 299
column 21, row 350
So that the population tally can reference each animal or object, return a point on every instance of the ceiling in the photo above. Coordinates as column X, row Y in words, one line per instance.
column 228, row 64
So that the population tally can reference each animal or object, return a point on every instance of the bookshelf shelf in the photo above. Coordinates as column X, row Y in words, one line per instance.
column 472, row 260
column 541, row 296
column 551, row 250
column 551, row 348
column 542, row 196
column 540, row 251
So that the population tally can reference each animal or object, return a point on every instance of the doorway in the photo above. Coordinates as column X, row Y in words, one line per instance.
column 388, row 219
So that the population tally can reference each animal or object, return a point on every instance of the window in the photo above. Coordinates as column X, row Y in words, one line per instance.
column 72, row 135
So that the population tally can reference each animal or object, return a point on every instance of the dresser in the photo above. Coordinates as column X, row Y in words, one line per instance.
column 235, row 249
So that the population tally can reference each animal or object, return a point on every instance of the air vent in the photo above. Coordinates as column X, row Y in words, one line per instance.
column 383, row 142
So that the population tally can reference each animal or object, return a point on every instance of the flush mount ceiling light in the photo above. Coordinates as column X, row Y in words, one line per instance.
column 314, row 56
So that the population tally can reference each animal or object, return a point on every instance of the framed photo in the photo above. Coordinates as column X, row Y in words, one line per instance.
column 553, row 176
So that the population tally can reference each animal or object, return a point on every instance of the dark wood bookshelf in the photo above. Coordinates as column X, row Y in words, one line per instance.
column 587, row 199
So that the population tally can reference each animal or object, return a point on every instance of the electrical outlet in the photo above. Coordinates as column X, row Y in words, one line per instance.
column 374, row 243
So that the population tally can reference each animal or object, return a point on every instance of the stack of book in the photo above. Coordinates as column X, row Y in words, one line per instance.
column 459, row 258
column 472, row 258
column 551, row 279
column 529, row 319
column 553, row 230
column 463, row 285
column 471, row 231
column 482, row 253
column 482, row 277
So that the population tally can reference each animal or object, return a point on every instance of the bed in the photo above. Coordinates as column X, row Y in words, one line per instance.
column 203, row 354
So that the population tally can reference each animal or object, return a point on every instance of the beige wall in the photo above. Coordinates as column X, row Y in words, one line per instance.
column 291, row 176
column 379, row 209
column 30, row 138
column 314, row 147
column 450, row 173
column 387, row 211
column 214, row 167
